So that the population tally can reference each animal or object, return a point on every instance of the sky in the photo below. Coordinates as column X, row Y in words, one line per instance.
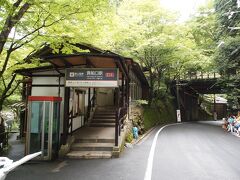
column 184, row 7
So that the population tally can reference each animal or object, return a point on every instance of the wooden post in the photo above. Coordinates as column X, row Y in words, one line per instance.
column 66, row 114
column 116, row 129
column 116, row 117
column 123, row 92
column 89, row 107
column 94, row 97
column 127, row 96
column 71, row 122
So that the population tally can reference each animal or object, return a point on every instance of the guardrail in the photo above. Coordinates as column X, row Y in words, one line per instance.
column 198, row 75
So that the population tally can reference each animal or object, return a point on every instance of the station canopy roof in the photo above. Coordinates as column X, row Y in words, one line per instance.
column 94, row 58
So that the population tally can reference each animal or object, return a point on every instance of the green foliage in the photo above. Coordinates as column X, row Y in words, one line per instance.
column 228, row 16
column 141, row 102
column 151, row 117
column 56, row 22
column 162, row 112
column 164, row 47
column 140, row 29
column 227, row 56
column 129, row 137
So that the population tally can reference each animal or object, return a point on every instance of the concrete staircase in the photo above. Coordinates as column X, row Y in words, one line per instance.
column 103, row 117
column 91, row 148
column 97, row 140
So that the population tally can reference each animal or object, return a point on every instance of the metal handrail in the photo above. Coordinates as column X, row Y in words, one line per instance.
column 91, row 105
column 200, row 75
column 121, row 113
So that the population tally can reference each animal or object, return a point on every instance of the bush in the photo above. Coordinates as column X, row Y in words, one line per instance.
column 162, row 112
column 129, row 137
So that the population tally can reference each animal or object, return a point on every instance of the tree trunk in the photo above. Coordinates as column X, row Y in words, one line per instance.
column 11, row 21
column 8, row 91
column 150, row 98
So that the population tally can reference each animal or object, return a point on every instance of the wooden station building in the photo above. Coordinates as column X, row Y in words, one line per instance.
column 87, row 84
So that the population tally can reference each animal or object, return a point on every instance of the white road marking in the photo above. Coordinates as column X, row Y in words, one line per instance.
column 148, row 172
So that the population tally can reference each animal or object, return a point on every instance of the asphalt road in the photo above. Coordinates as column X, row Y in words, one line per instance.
column 183, row 151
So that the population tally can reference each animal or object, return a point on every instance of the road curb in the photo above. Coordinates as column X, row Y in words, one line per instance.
column 145, row 134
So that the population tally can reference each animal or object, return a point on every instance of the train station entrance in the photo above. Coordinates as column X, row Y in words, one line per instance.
column 95, row 91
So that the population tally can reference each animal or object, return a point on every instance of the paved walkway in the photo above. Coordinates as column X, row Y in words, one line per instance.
column 96, row 132
column 16, row 150
column 185, row 151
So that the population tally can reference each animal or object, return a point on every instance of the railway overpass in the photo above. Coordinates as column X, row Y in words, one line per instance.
column 187, row 90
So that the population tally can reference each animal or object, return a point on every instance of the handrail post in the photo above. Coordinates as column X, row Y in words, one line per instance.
column 116, row 127
column 117, row 116
column 119, row 123
column 71, row 122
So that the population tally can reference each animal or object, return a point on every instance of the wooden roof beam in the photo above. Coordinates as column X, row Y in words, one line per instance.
column 65, row 61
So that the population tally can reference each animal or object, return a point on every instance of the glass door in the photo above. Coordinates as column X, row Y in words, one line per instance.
column 43, row 126
column 55, row 130
column 39, row 128
column 36, row 110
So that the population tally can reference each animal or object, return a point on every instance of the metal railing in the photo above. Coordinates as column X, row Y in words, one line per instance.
column 121, row 114
column 199, row 75
column 91, row 105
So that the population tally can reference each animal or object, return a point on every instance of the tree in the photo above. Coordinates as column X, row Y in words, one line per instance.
column 228, row 17
column 25, row 25
column 227, row 56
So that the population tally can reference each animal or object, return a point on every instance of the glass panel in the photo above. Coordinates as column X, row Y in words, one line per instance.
column 55, row 129
column 46, row 128
column 35, row 128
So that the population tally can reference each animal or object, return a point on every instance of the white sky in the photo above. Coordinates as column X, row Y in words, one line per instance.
column 185, row 7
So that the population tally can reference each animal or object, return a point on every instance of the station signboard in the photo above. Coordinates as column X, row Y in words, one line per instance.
column 91, row 77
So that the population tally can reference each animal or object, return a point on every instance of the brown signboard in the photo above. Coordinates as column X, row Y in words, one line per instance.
column 91, row 77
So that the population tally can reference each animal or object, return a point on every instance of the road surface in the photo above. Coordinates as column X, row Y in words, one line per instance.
column 183, row 151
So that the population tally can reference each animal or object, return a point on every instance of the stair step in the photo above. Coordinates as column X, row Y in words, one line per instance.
column 89, row 154
column 103, row 121
column 102, row 124
column 103, row 116
column 106, row 108
column 94, row 140
column 92, row 146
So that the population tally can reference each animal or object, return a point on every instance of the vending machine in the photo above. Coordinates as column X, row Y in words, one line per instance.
column 43, row 126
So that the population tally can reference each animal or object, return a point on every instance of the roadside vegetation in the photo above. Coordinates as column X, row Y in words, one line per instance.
column 142, row 29
column 162, row 113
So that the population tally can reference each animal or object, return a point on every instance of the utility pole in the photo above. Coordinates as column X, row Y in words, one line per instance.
column 214, row 108
column 178, row 101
